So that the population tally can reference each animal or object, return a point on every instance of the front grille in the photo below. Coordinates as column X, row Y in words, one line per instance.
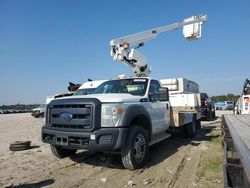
column 70, row 106
column 81, row 116
column 75, row 116
column 65, row 126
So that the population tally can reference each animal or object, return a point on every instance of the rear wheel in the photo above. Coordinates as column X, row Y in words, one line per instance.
column 60, row 152
column 135, row 151
column 198, row 124
column 190, row 128
column 209, row 115
column 213, row 114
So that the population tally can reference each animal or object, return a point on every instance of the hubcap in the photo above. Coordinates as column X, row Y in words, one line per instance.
column 139, row 148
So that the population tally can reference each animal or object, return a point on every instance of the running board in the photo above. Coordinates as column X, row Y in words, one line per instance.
column 158, row 138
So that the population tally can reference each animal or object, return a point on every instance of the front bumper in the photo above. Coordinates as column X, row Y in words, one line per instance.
column 104, row 139
column 36, row 113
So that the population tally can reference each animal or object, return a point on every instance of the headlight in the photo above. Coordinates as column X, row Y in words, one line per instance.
column 111, row 114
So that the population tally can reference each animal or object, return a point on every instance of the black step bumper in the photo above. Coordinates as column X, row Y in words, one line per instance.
column 104, row 139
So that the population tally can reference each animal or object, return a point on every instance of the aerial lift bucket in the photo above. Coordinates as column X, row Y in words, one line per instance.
column 192, row 31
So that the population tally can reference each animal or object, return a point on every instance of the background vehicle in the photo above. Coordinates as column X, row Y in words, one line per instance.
column 237, row 107
column 218, row 105
column 39, row 111
column 224, row 105
column 229, row 105
column 207, row 107
column 6, row 111
column 242, row 106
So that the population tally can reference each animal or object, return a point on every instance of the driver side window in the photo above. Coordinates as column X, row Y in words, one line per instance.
column 154, row 89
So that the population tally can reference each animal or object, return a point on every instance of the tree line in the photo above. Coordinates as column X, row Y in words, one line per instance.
column 228, row 97
column 19, row 106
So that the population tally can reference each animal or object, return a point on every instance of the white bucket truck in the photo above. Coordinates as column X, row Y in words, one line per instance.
column 127, row 114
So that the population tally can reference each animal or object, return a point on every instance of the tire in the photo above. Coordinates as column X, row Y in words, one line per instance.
column 198, row 124
column 61, row 153
column 134, row 153
column 190, row 128
column 42, row 114
column 213, row 114
column 36, row 114
column 19, row 145
column 209, row 115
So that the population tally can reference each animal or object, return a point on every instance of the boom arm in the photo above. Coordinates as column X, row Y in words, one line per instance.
column 125, row 48
column 246, row 87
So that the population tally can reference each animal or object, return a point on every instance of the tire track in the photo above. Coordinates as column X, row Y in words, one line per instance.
column 175, row 177
column 185, row 176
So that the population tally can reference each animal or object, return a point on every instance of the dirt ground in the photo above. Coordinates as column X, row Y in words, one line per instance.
column 175, row 162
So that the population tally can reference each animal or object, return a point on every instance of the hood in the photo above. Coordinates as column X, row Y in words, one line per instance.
column 37, row 109
column 109, row 97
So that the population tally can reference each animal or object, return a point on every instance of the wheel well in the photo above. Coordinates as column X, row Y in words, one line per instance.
column 143, row 121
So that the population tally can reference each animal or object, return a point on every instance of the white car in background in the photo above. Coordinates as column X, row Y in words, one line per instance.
column 39, row 111
column 224, row 105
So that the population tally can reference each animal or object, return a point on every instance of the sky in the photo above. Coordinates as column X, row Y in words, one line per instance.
column 45, row 44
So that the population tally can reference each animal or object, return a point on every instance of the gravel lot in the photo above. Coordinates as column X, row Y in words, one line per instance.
column 175, row 162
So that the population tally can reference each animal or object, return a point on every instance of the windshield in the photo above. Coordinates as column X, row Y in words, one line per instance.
column 84, row 91
column 42, row 106
column 136, row 86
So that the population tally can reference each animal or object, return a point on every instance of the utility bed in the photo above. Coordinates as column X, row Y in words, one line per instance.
column 180, row 85
column 183, row 107
column 236, row 137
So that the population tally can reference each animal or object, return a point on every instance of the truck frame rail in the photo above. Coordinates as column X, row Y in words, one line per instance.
column 236, row 142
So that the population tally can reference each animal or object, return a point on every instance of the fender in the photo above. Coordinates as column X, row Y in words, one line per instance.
column 134, row 111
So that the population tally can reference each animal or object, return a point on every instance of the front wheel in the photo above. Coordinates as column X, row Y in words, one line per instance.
column 135, row 151
column 37, row 114
column 60, row 152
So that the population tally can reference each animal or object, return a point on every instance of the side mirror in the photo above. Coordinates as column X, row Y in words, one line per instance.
column 163, row 94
